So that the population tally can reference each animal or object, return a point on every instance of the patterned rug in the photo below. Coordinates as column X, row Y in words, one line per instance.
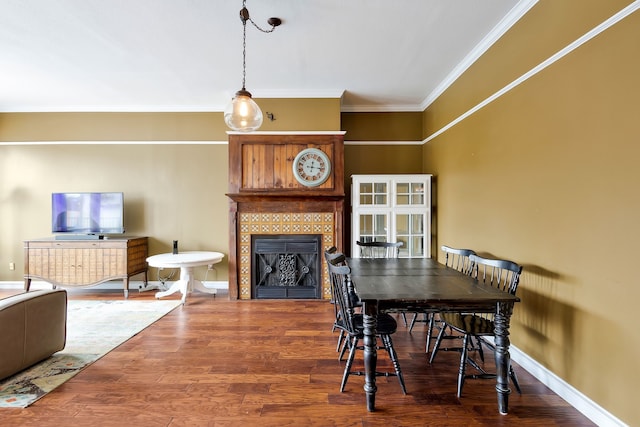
column 94, row 328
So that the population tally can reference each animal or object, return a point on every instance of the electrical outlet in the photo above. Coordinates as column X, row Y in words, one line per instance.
column 12, row 266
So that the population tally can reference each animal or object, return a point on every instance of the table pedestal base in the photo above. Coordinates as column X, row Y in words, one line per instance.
column 187, row 284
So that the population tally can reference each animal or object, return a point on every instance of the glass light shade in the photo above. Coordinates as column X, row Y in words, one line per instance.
column 243, row 114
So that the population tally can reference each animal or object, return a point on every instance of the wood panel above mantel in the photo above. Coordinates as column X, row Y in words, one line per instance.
column 263, row 162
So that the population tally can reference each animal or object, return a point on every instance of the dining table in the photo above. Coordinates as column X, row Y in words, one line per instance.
column 418, row 284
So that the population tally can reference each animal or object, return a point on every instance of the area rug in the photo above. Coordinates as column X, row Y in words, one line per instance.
column 94, row 328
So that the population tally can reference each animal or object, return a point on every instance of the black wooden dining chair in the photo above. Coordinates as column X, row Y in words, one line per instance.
column 382, row 250
column 379, row 249
column 332, row 255
column 501, row 274
column 340, row 276
column 457, row 259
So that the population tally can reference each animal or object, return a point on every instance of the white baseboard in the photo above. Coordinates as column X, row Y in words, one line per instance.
column 582, row 403
column 575, row 398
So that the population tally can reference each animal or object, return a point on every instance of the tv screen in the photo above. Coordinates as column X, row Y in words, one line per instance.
column 87, row 213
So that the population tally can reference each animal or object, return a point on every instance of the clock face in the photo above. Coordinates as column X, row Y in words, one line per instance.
column 311, row 167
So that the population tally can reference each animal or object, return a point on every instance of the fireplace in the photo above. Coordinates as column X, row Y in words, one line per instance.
column 279, row 226
column 286, row 266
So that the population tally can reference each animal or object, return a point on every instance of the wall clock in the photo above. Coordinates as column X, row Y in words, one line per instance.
column 311, row 167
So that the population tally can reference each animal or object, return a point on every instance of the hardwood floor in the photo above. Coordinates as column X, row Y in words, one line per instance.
column 215, row 362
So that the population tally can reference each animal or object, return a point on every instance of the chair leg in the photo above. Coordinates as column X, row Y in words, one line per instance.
column 347, row 367
column 436, row 347
column 480, row 351
column 463, row 364
column 404, row 318
column 431, row 317
column 340, row 339
column 413, row 321
column 514, row 379
column 388, row 345
column 345, row 343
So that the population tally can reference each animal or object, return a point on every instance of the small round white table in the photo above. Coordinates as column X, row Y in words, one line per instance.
column 185, row 261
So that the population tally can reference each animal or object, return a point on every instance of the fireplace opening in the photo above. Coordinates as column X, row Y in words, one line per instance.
column 286, row 266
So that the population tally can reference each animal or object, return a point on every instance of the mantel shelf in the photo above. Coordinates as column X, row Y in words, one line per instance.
column 283, row 197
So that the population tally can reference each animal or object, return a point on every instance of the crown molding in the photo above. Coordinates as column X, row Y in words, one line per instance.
column 514, row 15
column 8, row 143
column 605, row 25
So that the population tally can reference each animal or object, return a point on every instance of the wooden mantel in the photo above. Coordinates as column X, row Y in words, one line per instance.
column 265, row 197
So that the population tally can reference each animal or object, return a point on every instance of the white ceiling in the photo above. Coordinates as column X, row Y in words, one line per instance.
column 186, row 55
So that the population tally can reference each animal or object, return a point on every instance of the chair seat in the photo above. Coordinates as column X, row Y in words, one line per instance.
column 387, row 325
column 469, row 323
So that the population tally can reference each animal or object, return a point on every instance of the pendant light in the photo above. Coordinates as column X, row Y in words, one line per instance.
column 243, row 114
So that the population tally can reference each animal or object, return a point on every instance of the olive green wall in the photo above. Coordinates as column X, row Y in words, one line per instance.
column 173, row 190
column 547, row 175
column 171, row 193
column 382, row 126
column 290, row 115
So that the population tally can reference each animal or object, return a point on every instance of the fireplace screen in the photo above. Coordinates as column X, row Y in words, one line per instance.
column 286, row 266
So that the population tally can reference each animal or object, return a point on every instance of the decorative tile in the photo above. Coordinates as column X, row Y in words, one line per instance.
column 281, row 223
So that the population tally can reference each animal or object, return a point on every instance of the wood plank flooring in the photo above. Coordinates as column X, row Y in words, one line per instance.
column 215, row 362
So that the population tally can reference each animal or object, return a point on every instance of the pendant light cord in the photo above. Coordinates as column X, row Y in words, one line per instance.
column 244, row 47
column 244, row 17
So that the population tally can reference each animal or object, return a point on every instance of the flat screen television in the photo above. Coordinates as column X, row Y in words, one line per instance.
column 87, row 213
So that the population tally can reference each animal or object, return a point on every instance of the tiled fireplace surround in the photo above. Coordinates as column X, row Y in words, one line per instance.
column 281, row 223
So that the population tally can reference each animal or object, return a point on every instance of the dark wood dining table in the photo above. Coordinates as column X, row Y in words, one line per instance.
column 423, row 283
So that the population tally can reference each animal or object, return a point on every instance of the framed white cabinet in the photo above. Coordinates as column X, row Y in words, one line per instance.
column 392, row 208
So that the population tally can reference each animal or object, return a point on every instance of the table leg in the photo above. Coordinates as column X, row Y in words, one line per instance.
column 370, row 315
column 187, row 284
column 178, row 285
column 182, row 285
column 503, row 359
